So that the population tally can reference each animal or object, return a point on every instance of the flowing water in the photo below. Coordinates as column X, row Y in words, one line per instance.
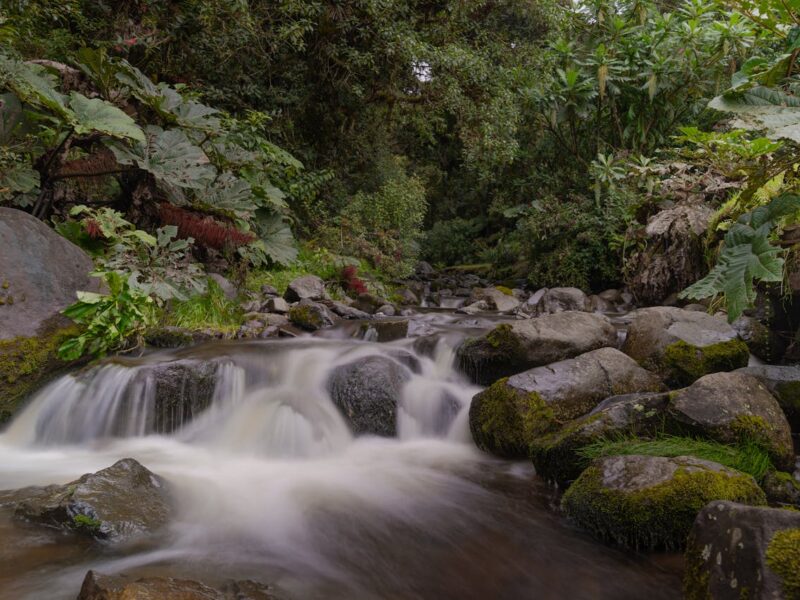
column 269, row 484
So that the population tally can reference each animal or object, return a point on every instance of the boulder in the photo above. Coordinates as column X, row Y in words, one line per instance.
column 384, row 330
column 509, row 416
column 97, row 586
column 682, row 345
column 407, row 297
column 499, row 299
column 276, row 304
column 763, row 342
column 386, row 310
column 308, row 287
column 562, row 299
column 736, row 551
column 367, row 392
column 474, row 308
column 346, row 312
column 268, row 290
column 40, row 273
column 123, row 501
column 556, row 454
column 170, row 336
column 311, row 316
column 673, row 256
column 783, row 382
column 647, row 502
column 781, row 489
column 734, row 408
column 368, row 303
column 513, row 348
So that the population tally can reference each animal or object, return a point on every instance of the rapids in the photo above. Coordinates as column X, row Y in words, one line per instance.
column 270, row 484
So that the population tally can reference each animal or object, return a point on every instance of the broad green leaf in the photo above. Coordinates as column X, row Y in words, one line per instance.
column 277, row 237
column 33, row 84
column 230, row 194
column 98, row 115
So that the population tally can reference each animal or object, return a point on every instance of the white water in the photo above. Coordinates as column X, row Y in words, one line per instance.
column 270, row 484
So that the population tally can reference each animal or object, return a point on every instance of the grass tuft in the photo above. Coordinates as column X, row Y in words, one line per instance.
column 211, row 309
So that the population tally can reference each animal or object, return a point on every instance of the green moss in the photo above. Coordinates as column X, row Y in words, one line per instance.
column 684, row 363
column 28, row 362
column 783, row 557
column 86, row 522
column 504, row 421
column 305, row 317
column 556, row 455
column 696, row 576
column 497, row 354
column 659, row 516
column 504, row 290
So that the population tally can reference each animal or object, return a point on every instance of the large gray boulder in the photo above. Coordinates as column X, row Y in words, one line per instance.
column 562, row 299
column 737, row 551
column 367, row 392
column 515, row 347
column 307, row 287
column 495, row 298
column 683, row 345
column 311, row 316
column 783, row 382
column 646, row 502
column 734, row 408
column 123, row 501
column 97, row 586
column 510, row 415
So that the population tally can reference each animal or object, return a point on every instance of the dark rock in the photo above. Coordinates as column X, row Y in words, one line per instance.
column 384, row 330
column 762, row 342
column 387, row 310
column 424, row 269
column 277, row 305
column 117, row 503
column 736, row 551
column 734, row 408
column 613, row 296
column 179, row 337
column 311, row 316
column 407, row 297
column 510, row 415
column 781, row 488
column 97, row 586
column 308, row 287
column 513, row 348
column 345, row 311
column 647, row 502
column 368, row 303
column 784, row 384
column 268, row 290
column 367, row 392
column 683, row 345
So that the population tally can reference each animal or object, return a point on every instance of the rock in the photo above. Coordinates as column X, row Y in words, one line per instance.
column 40, row 273
column 311, row 316
column 762, row 342
column 510, row 415
column 268, row 290
column 784, row 384
column 474, row 308
column 225, row 285
column 673, row 255
column 781, row 488
column 556, row 455
column 648, row 502
column 499, row 299
column 387, row 310
column 368, row 303
column 734, row 408
column 682, row 345
column 383, row 330
column 345, row 311
column 557, row 300
column 736, row 551
column 123, row 501
column 169, row 336
column 97, row 586
column 597, row 304
column 512, row 348
column 424, row 269
column 407, row 297
column 613, row 296
column 367, row 392
column 308, row 287
column 277, row 305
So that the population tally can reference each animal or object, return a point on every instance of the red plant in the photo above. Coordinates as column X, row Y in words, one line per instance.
column 351, row 281
column 93, row 229
column 205, row 230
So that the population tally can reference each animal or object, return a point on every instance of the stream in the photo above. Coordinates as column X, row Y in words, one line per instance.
column 269, row 484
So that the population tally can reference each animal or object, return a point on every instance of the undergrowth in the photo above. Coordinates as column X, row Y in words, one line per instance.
column 211, row 309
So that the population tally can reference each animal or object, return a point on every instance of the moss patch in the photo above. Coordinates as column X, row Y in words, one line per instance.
column 658, row 516
column 684, row 363
column 503, row 289
column 86, row 523
column 556, row 455
column 504, row 421
column 306, row 317
column 28, row 362
column 783, row 557
column 497, row 354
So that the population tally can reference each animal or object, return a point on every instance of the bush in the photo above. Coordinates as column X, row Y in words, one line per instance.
column 453, row 242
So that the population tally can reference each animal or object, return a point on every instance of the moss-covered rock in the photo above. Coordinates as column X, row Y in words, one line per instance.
column 783, row 382
column 736, row 551
column 649, row 501
column 782, row 489
column 311, row 316
column 734, row 408
column 525, row 406
column 683, row 345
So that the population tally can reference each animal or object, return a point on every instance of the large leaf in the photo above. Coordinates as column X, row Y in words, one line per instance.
column 33, row 84
column 761, row 108
column 171, row 158
column 98, row 115
column 230, row 194
column 19, row 182
column 276, row 236
column 10, row 116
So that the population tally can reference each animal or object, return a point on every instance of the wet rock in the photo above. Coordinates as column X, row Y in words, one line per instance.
column 509, row 416
column 97, row 586
column 225, row 285
column 499, row 299
column 783, row 382
column 311, row 316
column 474, row 308
column 734, row 408
column 556, row 455
column 682, row 345
column 557, row 300
column 345, row 311
column 384, row 330
column 367, row 392
column 277, row 305
column 308, row 287
column 115, row 504
column 180, row 337
column 513, row 348
column 647, row 502
column 736, row 551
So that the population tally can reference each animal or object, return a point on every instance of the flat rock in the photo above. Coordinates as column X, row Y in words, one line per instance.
column 97, row 586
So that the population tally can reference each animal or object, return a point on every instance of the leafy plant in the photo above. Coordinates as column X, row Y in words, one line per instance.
column 211, row 309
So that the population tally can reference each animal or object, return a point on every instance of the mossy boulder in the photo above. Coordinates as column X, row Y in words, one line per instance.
column 497, row 298
column 648, row 502
column 307, row 287
column 782, row 489
column 123, row 501
column 511, row 348
column 783, row 382
column 736, row 551
column 734, row 408
column 683, row 345
column 556, row 455
column 511, row 414
column 311, row 316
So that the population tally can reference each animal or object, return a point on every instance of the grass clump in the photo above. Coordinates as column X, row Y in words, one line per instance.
column 210, row 310
column 748, row 457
